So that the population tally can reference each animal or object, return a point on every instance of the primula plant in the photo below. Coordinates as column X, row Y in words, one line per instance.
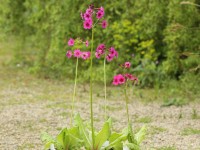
column 79, row 135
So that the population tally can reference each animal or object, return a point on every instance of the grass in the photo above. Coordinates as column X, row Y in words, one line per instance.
column 156, row 130
column 167, row 148
column 146, row 119
column 175, row 102
column 190, row 131
column 26, row 146
column 195, row 115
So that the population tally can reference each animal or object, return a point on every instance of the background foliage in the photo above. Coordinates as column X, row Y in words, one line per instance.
column 160, row 38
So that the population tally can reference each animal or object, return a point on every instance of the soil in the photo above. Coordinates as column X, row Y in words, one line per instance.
column 22, row 120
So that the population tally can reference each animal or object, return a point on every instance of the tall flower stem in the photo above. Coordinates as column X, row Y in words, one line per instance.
column 105, row 90
column 91, row 100
column 126, row 99
column 130, row 130
column 74, row 93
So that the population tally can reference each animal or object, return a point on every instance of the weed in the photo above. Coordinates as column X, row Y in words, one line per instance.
column 175, row 102
column 156, row 130
column 145, row 119
column 195, row 114
column 190, row 131
column 167, row 148
column 26, row 146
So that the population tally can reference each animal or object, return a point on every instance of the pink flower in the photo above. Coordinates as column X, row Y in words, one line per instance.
column 88, row 54
column 77, row 53
column 101, row 46
column 99, row 14
column 98, row 55
column 87, row 24
column 100, row 51
column 109, row 57
column 127, row 64
column 71, row 42
column 112, row 51
column 128, row 76
column 86, row 43
column 135, row 79
column 85, row 55
column 104, row 24
column 89, row 10
column 69, row 54
column 91, row 6
column 115, row 80
column 121, row 79
column 101, row 9
column 131, row 77
column 87, row 16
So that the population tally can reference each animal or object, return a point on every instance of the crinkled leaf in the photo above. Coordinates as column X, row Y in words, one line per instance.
column 45, row 137
column 140, row 135
column 74, row 139
column 132, row 146
column 103, row 135
column 84, row 133
column 116, row 140
column 63, row 138
column 131, row 137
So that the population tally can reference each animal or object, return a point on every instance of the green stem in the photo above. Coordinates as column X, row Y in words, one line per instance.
column 91, row 101
column 105, row 105
column 126, row 98
column 74, row 93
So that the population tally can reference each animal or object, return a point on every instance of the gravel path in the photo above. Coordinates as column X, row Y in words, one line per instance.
column 23, row 121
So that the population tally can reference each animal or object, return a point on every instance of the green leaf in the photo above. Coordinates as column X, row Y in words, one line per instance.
column 132, row 146
column 74, row 139
column 116, row 140
column 103, row 135
column 84, row 133
column 140, row 135
column 45, row 137
column 62, row 138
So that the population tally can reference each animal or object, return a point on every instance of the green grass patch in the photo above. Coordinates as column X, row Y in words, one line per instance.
column 64, row 114
column 156, row 130
column 174, row 101
column 146, row 119
column 167, row 148
column 195, row 115
column 113, row 108
column 59, row 105
column 26, row 146
column 190, row 131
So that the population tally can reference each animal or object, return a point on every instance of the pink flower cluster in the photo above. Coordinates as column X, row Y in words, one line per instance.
column 121, row 79
column 71, row 42
column 100, row 13
column 78, row 54
column 87, row 17
column 126, row 65
column 111, row 53
column 104, row 24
